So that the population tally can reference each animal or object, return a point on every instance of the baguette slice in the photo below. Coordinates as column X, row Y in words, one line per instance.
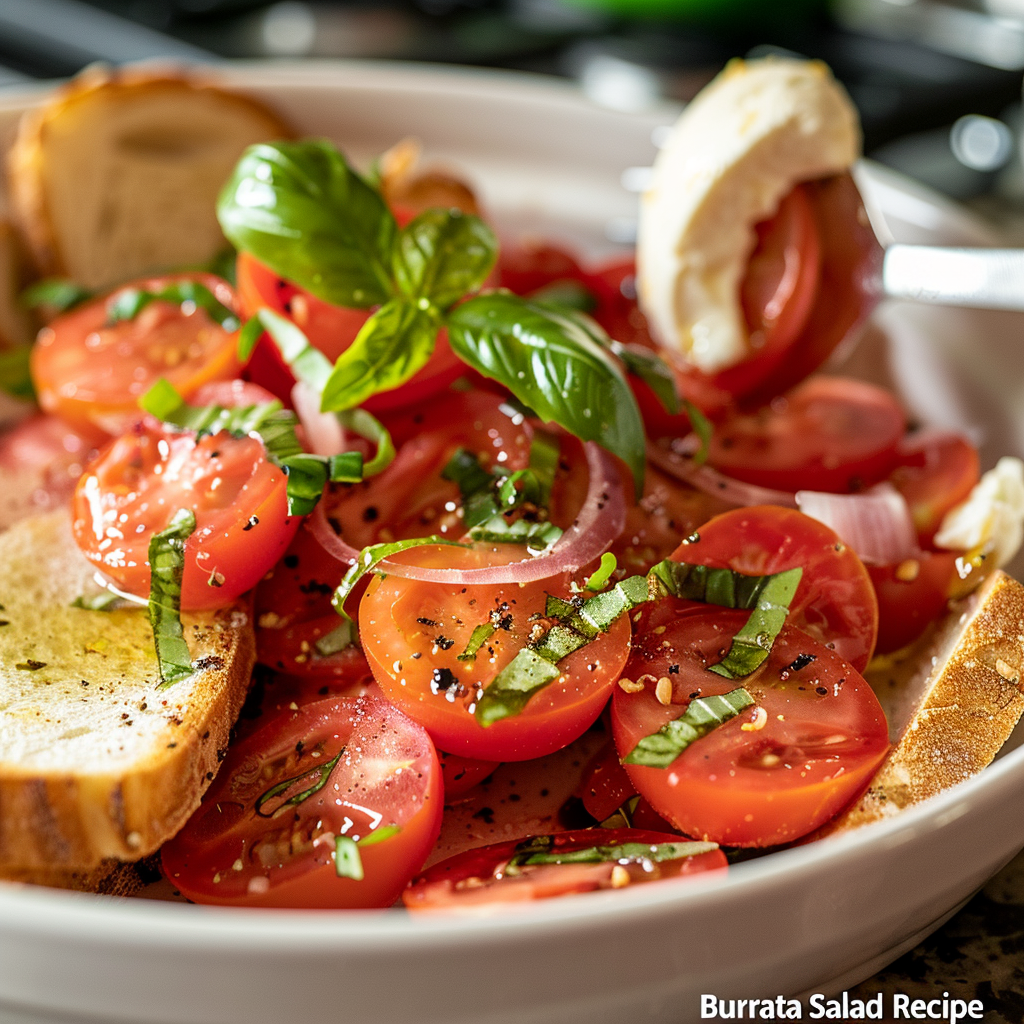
column 951, row 705
column 118, row 174
column 97, row 761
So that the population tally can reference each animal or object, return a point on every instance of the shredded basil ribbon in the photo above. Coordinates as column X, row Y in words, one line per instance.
column 543, row 850
column 368, row 559
column 324, row 773
column 702, row 715
column 128, row 303
column 599, row 579
column 15, row 374
column 535, row 666
column 167, row 566
column 337, row 640
column 59, row 293
column 347, row 861
column 480, row 635
column 274, row 426
column 309, row 365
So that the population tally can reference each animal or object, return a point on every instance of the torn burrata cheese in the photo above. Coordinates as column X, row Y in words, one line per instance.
column 760, row 128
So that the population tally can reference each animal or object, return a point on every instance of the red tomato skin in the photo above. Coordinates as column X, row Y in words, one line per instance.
column 329, row 328
column 192, row 861
column 834, row 602
column 122, row 481
column 911, row 595
column 392, row 633
column 95, row 387
column 829, row 434
column 936, row 472
column 605, row 786
column 461, row 774
column 814, row 738
column 443, row 888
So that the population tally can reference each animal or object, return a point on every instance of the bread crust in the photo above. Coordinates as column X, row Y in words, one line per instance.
column 951, row 705
column 70, row 808
column 28, row 159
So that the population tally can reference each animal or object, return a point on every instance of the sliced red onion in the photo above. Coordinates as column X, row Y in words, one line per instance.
column 876, row 524
column 324, row 433
column 710, row 481
column 601, row 519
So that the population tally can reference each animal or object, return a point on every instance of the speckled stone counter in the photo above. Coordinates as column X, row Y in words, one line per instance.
column 978, row 954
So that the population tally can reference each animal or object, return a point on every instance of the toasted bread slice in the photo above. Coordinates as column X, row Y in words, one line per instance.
column 97, row 760
column 118, row 174
column 951, row 703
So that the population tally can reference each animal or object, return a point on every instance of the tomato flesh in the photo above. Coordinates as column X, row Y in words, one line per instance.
column 482, row 879
column 834, row 602
column 829, row 434
column 331, row 329
column 140, row 481
column 776, row 771
column 413, row 632
column 92, row 373
column 265, row 833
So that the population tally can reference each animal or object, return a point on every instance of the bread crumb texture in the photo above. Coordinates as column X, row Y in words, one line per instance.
column 97, row 760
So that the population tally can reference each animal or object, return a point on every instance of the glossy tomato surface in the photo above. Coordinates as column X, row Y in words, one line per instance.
column 829, row 434
column 92, row 372
column 809, row 744
column 834, row 602
column 331, row 329
column 139, row 482
column 413, row 633
column 266, row 833
column 485, row 878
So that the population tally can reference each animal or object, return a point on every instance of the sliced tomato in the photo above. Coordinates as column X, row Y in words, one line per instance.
column 834, row 602
column 461, row 774
column 339, row 778
column 936, row 472
column 92, row 373
column 483, row 879
column 413, row 633
column 809, row 744
column 140, row 481
column 829, row 434
column 527, row 265
column 329, row 328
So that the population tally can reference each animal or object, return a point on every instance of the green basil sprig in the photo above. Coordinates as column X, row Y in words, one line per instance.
column 167, row 567
column 58, row 294
column 15, row 374
column 702, row 715
column 300, row 208
column 275, row 427
column 128, row 303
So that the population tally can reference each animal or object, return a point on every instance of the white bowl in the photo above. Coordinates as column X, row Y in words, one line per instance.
column 818, row 918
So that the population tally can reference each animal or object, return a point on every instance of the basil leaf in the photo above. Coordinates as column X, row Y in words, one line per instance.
column 653, row 371
column 379, row 834
column 128, row 303
column 443, row 255
column 702, row 715
column 702, row 428
column 480, row 635
column 167, row 566
column 753, row 643
column 347, row 861
column 337, row 640
column 368, row 559
column 537, row 537
column 555, row 367
column 15, row 372
column 511, row 689
column 543, row 850
column 58, row 293
column 475, row 486
column 248, row 338
column 299, row 208
column 394, row 344
column 279, row 789
column 565, row 295
column 603, row 573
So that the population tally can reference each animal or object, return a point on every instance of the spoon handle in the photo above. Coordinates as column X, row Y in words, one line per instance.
column 981, row 278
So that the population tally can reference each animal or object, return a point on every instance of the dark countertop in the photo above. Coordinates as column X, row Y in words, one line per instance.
column 978, row 954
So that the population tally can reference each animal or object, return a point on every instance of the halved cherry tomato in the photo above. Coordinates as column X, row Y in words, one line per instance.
column 413, row 632
column 140, row 481
column 311, row 785
column 911, row 594
column 828, row 434
column 461, row 774
column 777, row 770
column 329, row 328
column 834, row 602
column 92, row 373
column 606, row 788
column 936, row 472
column 478, row 880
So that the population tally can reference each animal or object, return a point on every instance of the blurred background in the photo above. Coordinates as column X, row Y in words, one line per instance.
column 937, row 82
